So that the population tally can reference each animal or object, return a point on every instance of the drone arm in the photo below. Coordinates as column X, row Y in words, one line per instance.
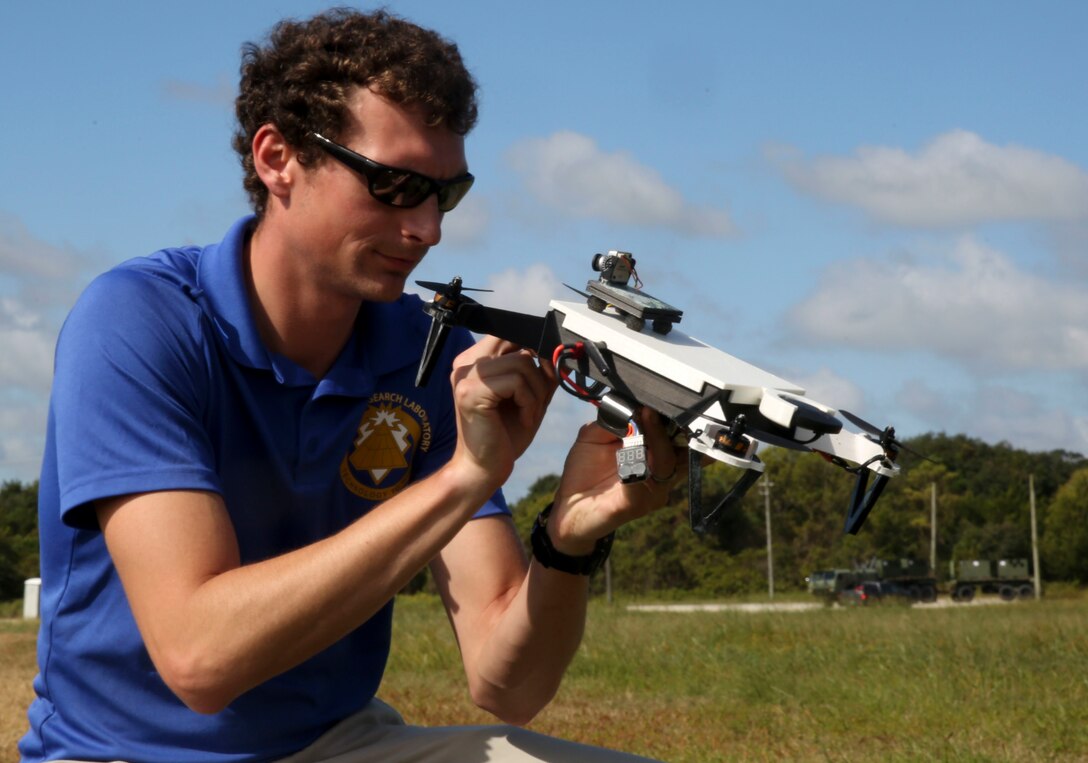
column 537, row 333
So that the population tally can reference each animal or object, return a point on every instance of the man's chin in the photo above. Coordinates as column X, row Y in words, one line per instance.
column 388, row 288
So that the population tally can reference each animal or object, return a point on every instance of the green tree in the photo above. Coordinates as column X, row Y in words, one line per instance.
column 1064, row 545
column 18, row 537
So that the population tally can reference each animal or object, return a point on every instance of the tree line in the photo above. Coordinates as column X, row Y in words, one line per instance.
column 982, row 513
column 18, row 537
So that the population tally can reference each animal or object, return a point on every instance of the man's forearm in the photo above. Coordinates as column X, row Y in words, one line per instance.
column 518, row 648
column 216, row 629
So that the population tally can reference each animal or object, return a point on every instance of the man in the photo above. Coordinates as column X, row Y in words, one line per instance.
column 240, row 473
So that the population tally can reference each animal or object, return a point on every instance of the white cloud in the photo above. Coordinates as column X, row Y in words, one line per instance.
column 27, row 359
column 957, row 179
column 933, row 406
column 22, row 440
column 827, row 387
column 570, row 173
column 526, row 291
column 26, row 374
column 976, row 307
column 996, row 413
column 1069, row 244
column 465, row 226
column 38, row 284
column 22, row 255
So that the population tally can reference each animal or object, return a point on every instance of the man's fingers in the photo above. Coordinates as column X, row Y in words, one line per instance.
column 666, row 459
column 517, row 369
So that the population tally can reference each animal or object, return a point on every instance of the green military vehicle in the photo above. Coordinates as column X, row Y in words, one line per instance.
column 910, row 578
column 1008, row 578
column 829, row 585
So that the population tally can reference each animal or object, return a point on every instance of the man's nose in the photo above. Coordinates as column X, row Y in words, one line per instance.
column 423, row 224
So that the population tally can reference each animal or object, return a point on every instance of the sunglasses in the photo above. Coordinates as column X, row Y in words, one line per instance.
column 397, row 187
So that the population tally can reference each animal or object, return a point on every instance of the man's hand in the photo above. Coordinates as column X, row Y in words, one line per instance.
column 501, row 395
column 592, row 501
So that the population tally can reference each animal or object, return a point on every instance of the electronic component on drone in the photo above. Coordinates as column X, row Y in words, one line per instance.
column 631, row 464
column 635, row 306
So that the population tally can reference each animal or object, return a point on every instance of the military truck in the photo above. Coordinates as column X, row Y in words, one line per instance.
column 829, row 585
column 910, row 575
column 1008, row 578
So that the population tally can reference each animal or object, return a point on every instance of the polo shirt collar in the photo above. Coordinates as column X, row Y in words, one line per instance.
column 385, row 337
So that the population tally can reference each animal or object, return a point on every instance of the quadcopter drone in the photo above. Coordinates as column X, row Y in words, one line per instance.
column 722, row 406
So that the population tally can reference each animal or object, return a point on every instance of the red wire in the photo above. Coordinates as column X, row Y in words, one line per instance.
column 576, row 351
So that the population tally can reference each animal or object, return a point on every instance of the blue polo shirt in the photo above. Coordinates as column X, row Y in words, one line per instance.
column 162, row 383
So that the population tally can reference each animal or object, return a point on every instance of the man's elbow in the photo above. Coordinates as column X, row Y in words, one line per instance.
column 200, row 684
column 512, row 707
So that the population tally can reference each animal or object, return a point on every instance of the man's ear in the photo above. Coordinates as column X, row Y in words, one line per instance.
column 272, row 159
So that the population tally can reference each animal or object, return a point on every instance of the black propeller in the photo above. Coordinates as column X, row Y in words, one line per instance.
column 885, row 437
column 862, row 424
column 448, row 297
column 451, row 290
column 578, row 291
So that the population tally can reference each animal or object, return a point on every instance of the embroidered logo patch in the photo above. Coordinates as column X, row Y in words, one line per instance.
column 392, row 429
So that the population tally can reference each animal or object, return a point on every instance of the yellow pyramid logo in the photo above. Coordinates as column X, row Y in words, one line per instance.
column 385, row 436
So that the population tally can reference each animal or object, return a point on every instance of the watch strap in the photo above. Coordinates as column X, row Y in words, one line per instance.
column 550, row 557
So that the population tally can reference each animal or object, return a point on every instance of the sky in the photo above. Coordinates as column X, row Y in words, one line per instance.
column 884, row 203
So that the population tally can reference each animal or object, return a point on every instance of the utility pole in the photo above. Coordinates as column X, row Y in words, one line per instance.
column 765, row 486
column 933, row 528
column 1034, row 540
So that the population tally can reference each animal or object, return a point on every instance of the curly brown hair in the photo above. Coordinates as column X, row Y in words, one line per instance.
column 301, row 79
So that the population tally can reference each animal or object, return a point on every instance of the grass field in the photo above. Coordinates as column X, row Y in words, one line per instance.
column 981, row 683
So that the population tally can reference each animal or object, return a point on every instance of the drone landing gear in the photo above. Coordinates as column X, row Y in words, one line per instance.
column 730, row 444
column 710, row 522
column 862, row 500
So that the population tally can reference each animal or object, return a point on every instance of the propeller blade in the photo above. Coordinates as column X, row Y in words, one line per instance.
column 445, row 289
column 886, row 435
column 578, row 291
column 916, row 454
column 862, row 424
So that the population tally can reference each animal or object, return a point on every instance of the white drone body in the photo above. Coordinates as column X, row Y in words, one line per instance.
column 698, row 367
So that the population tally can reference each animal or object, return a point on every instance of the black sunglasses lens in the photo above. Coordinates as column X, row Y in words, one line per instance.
column 449, row 196
column 399, row 188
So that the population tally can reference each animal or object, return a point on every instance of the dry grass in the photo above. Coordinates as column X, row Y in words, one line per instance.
column 17, row 669
column 956, row 685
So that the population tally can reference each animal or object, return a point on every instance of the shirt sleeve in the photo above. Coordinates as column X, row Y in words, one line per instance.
column 128, row 402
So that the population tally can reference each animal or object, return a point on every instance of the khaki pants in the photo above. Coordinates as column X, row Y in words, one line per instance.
column 378, row 734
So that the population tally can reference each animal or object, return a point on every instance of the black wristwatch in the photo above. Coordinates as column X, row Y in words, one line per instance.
column 547, row 554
